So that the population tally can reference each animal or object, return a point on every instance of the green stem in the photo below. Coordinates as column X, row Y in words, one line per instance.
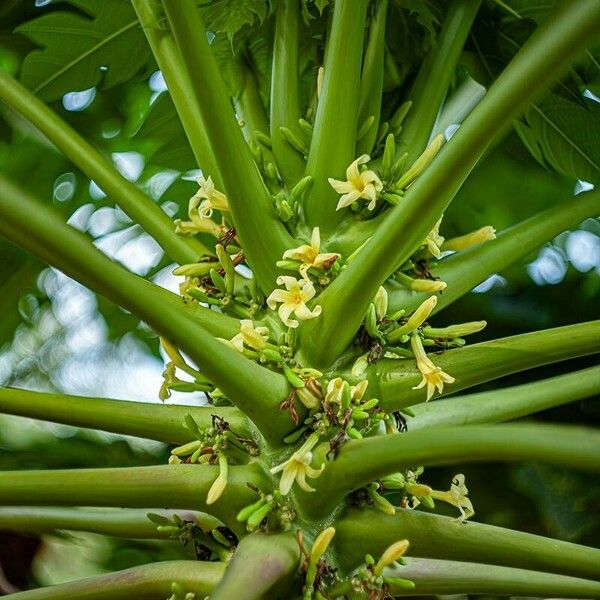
column 22, row 280
column 464, row 270
column 541, row 60
column 249, row 106
column 38, row 229
column 333, row 145
column 263, row 566
column 162, row 422
column 435, row 76
column 486, row 361
column 459, row 106
column 180, row 88
column 151, row 582
column 371, row 83
column 434, row 536
column 165, row 486
column 125, row 523
column 440, row 577
column 262, row 235
column 285, row 97
column 508, row 403
column 362, row 461
column 133, row 202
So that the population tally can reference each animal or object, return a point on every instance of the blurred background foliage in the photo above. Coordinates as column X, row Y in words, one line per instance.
column 56, row 335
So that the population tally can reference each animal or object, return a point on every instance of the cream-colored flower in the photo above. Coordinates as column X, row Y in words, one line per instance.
column 365, row 184
column 433, row 377
column 335, row 391
column 253, row 337
column 218, row 486
column 293, row 300
column 311, row 255
column 419, row 316
column 434, row 240
column 381, row 302
column 470, row 239
column 210, row 198
column 200, row 209
column 391, row 555
column 297, row 468
column 321, row 544
column 457, row 496
column 428, row 286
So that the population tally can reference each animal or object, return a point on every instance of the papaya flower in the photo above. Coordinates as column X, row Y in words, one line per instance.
column 473, row 238
column 433, row 377
column 210, row 198
column 200, row 209
column 297, row 468
column 293, row 299
column 311, row 255
column 434, row 240
column 251, row 336
column 365, row 184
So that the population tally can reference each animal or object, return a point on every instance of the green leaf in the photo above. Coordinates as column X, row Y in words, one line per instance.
column 173, row 150
column 104, row 45
column 566, row 135
column 230, row 16
column 425, row 13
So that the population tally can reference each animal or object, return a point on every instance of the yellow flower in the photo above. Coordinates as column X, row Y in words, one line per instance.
column 200, row 209
column 381, row 302
column 311, row 255
column 253, row 337
column 429, row 286
column 415, row 320
column 293, row 300
column 216, row 489
column 470, row 239
column 391, row 555
column 364, row 185
column 297, row 467
column 335, row 390
column 433, row 377
column 434, row 240
column 210, row 198
column 321, row 544
column 457, row 496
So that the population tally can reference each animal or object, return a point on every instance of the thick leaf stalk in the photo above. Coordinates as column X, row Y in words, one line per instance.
column 486, row 361
column 508, row 403
column 262, row 235
column 125, row 193
column 39, row 230
column 360, row 462
column 151, row 582
column 434, row 536
column 162, row 422
column 333, row 145
column 541, row 60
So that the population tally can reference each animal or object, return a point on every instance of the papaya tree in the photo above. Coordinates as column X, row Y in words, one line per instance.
column 326, row 139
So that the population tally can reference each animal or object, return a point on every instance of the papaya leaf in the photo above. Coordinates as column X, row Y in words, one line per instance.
column 103, row 44
column 566, row 135
column 163, row 127
column 231, row 16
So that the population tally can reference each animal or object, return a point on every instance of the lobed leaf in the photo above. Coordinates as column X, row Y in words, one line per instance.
column 101, row 45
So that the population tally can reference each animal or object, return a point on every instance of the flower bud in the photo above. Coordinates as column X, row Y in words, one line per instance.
column 463, row 242
column 381, row 302
column 390, row 555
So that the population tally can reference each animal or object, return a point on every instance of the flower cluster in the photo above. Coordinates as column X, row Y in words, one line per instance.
column 419, row 493
column 214, row 445
column 398, row 336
